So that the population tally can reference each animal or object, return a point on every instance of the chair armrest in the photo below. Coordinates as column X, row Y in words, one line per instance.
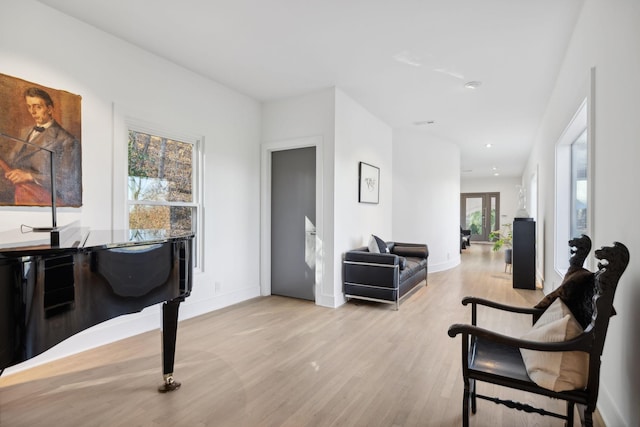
column 475, row 301
column 583, row 342
column 500, row 306
column 418, row 250
column 371, row 258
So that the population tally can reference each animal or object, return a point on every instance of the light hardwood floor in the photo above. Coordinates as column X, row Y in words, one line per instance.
column 276, row 361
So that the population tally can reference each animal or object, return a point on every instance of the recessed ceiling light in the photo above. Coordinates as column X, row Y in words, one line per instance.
column 488, row 145
column 424, row 122
column 496, row 174
column 494, row 168
column 472, row 84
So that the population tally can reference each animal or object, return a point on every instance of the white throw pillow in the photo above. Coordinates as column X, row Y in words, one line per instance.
column 377, row 245
column 554, row 370
column 373, row 245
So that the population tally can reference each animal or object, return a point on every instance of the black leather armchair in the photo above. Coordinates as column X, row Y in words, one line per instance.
column 465, row 238
column 385, row 277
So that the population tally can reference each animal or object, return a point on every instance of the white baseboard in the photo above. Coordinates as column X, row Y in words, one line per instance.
column 331, row 301
column 609, row 410
column 192, row 308
column 434, row 268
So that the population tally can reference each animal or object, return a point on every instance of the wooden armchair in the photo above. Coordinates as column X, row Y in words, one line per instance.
column 512, row 362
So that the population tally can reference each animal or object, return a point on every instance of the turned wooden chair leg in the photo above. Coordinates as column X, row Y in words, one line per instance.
column 570, row 411
column 588, row 419
column 465, row 409
column 586, row 415
column 473, row 396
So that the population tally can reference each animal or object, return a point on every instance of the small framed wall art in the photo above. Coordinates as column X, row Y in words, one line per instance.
column 369, row 179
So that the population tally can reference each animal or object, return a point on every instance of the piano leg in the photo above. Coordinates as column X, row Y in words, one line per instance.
column 169, row 332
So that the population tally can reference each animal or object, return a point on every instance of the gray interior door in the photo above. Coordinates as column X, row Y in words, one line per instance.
column 293, row 219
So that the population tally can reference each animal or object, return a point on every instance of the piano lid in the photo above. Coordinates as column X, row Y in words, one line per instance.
column 122, row 238
column 15, row 242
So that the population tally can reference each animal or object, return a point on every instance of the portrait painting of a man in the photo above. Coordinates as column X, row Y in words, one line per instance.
column 36, row 121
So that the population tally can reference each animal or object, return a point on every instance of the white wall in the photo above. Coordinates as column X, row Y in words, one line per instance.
column 360, row 137
column 426, row 195
column 607, row 37
column 349, row 134
column 41, row 45
column 287, row 121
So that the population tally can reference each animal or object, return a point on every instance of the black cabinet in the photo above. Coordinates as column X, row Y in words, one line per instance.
column 524, row 253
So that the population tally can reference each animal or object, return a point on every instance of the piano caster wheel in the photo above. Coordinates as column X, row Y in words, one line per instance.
column 169, row 384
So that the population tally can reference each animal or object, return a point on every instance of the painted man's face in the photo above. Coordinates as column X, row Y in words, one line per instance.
column 39, row 110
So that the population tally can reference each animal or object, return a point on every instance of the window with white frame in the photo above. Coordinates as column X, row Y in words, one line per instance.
column 162, row 183
column 579, row 183
column 572, row 186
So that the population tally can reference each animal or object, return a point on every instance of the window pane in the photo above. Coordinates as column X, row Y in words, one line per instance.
column 579, row 185
column 161, row 217
column 572, row 187
column 160, row 169
column 473, row 218
column 493, row 224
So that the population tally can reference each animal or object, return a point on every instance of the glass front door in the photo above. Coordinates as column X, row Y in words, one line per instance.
column 480, row 213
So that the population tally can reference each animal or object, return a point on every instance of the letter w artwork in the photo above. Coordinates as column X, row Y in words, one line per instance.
column 371, row 183
column 369, row 190
column 36, row 123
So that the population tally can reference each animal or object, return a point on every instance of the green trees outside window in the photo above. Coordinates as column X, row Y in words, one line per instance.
column 160, row 183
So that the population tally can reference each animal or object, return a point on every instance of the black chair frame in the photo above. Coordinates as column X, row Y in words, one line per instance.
column 495, row 358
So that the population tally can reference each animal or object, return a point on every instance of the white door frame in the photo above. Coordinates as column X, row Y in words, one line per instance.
column 265, row 208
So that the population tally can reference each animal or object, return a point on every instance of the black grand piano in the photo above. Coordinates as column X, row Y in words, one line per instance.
column 51, row 292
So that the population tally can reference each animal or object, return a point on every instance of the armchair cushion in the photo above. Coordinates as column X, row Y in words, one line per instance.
column 576, row 291
column 556, row 370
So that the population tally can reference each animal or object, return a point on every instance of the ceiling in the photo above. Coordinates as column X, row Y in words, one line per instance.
column 406, row 61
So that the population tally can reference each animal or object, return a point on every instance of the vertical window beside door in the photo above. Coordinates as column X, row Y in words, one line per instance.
column 579, row 182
